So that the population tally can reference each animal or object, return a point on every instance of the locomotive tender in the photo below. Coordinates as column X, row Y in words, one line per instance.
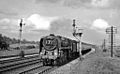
column 57, row 50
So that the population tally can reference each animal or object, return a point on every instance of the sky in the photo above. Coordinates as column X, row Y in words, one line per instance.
column 42, row 17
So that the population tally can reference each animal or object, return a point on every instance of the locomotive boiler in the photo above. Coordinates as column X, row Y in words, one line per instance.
column 57, row 50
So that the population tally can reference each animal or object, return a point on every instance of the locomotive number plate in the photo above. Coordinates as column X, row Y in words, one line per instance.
column 49, row 42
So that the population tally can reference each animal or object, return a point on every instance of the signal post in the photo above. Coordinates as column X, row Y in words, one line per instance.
column 21, row 24
column 77, row 33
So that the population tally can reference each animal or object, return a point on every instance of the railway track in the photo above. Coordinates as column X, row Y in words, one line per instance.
column 46, row 70
column 39, row 70
column 23, row 66
column 32, row 69
column 33, row 62
column 17, row 64
column 8, row 66
column 17, row 59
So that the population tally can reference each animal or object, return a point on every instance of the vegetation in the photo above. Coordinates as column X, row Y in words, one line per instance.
column 6, row 41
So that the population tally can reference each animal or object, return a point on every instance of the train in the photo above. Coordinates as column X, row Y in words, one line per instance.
column 56, row 50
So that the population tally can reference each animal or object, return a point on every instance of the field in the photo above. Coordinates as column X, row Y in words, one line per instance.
column 13, row 51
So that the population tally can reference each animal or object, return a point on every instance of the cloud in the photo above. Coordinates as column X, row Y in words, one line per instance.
column 5, row 20
column 33, row 22
column 40, row 22
column 87, row 3
column 8, row 13
column 68, row 3
column 115, row 4
column 62, row 26
column 9, row 25
column 84, row 3
column 48, row 1
column 100, row 3
column 72, row 3
column 100, row 25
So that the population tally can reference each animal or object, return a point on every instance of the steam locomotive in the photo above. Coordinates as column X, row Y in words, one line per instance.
column 57, row 50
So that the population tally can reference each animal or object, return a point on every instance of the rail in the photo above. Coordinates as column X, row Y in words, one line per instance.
column 18, row 55
column 19, row 64
column 3, row 58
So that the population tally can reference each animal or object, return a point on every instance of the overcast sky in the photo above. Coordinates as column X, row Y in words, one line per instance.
column 43, row 17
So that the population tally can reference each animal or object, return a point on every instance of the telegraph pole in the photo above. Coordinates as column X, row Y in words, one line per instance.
column 111, row 30
column 111, row 41
column 77, row 33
